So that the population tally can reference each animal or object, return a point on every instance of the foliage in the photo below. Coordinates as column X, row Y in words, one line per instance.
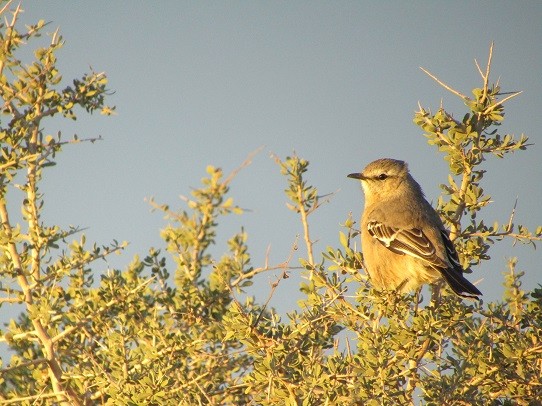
column 190, row 333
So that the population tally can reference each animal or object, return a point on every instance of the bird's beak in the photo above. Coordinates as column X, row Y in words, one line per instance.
column 356, row 176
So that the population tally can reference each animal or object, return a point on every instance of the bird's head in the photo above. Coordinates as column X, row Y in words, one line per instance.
column 385, row 178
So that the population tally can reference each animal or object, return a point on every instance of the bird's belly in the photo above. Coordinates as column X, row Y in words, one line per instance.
column 389, row 270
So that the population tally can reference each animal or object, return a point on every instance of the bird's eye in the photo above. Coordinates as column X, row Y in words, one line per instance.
column 382, row 176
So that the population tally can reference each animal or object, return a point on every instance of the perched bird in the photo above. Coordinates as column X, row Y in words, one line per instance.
column 404, row 242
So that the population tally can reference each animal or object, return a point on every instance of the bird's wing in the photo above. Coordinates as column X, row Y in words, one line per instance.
column 451, row 253
column 410, row 241
column 454, row 276
column 414, row 242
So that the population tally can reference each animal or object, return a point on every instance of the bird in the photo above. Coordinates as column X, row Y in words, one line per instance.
column 404, row 242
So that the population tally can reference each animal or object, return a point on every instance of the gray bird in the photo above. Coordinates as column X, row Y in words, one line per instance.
column 404, row 242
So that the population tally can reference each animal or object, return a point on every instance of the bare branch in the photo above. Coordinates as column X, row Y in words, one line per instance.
column 55, row 37
column 488, row 70
column 275, row 284
column 512, row 214
column 243, row 165
column 478, row 67
column 265, row 268
column 444, row 85
column 6, row 6
column 500, row 102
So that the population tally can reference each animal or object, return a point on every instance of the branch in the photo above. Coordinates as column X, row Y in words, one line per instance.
column 49, row 149
column 5, row 6
column 26, row 335
column 339, row 297
column 243, row 165
column 508, row 230
column 304, row 221
column 500, row 102
column 103, row 308
column 444, row 85
column 506, row 234
column 9, row 29
column 35, row 398
column 75, row 265
column 23, row 365
column 488, row 70
column 266, row 267
column 47, row 345
column 456, row 220
column 414, row 365
column 11, row 300
column 275, row 284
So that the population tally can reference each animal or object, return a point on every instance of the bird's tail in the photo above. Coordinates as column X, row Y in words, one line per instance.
column 461, row 286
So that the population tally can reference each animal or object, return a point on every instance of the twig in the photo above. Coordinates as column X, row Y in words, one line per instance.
column 444, row 85
column 414, row 365
column 512, row 214
column 23, row 365
column 33, row 397
column 478, row 67
column 275, row 284
column 187, row 384
column 209, row 402
column 505, row 234
column 11, row 300
column 6, row 6
column 488, row 70
column 348, row 350
column 266, row 267
column 47, row 345
column 76, row 265
column 26, row 335
column 319, row 202
column 500, row 102
column 103, row 308
column 243, row 165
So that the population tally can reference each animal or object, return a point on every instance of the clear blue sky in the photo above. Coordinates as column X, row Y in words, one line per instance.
column 200, row 83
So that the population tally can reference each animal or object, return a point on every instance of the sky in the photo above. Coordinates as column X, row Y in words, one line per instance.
column 199, row 83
